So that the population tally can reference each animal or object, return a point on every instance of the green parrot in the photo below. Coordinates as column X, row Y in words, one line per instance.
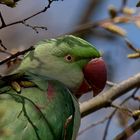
column 38, row 100
column 10, row 3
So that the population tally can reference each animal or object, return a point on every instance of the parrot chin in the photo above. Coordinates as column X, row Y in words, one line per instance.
column 95, row 77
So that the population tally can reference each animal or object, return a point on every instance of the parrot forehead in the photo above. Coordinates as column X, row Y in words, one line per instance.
column 78, row 47
column 69, row 40
column 70, row 44
column 73, row 41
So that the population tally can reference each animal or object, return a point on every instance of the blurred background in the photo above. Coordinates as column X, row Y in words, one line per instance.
column 63, row 17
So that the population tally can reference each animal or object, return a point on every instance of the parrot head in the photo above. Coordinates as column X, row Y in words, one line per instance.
column 69, row 59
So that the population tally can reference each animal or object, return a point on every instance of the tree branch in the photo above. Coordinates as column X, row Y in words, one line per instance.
column 16, row 55
column 113, row 113
column 4, row 25
column 105, row 99
column 93, row 125
column 90, row 25
column 129, row 131
column 2, row 45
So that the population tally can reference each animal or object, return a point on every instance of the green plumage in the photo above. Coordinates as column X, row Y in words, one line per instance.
column 38, row 112
column 37, row 99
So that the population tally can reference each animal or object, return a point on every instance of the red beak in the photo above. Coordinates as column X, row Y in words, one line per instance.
column 95, row 75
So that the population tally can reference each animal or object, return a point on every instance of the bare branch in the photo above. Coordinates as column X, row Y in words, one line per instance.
column 103, row 100
column 109, row 117
column 35, row 28
column 124, row 2
column 16, row 55
column 113, row 113
column 5, row 52
column 89, row 10
column 129, row 131
column 90, row 25
column 2, row 20
column 4, row 25
column 1, row 44
column 125, row 110
column 93, row 124
column 129, row 45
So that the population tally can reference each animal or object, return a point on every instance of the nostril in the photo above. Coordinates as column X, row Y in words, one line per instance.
column 94, row 60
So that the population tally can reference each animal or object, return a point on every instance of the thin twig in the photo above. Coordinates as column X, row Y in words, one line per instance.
column 2, row 20
column 89, row 10
column 129, row 44
column 23, row 20
column 123, row 4
column 113, row 113
column 16, row 55
column 90, row 25
column 1, row 44
column 109, row 118
column 5, row 52
column 35, row 27
column 93, row 125
column 129, row 131
column 126, row 110
column 102, row 100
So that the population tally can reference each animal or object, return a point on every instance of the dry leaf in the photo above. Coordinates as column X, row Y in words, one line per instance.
column 137, row 23
column 112, row 11
column 122, row 19
column 113, row 28
column 26, row 84
column 129, row 11
column 136, row 113
column 123, row 118
column 16, row 86
column 134, row 55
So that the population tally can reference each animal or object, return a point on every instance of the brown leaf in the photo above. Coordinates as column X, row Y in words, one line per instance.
column 16, row 86
column 129, row 11
column 134, row 55
column 136, row 113
column 112, row 11
column 122, row 118
column 122, row 19
column 137, row 22
column 113, row 28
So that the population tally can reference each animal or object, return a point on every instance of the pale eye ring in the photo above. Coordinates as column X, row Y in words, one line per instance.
column 69, row 58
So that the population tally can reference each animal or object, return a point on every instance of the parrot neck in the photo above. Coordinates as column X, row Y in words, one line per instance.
column 71, row 79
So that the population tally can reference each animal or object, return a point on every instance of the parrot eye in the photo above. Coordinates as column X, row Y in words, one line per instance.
column 69, row 58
